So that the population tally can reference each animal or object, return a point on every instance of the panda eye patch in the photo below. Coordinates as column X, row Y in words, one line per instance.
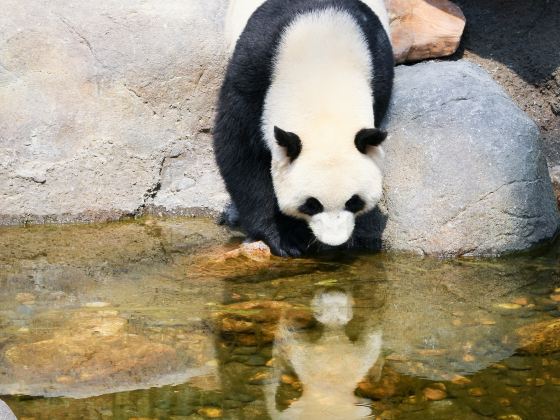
column 311, row 207
column 355, row 204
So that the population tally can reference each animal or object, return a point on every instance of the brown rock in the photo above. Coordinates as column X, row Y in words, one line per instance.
column 477, row 392
column 390, row 384
column 255, row 322
column 523, row 301
column 267, row 311
column 468, row 358
column 257, row 310
column 205, row 382
column 432, row 352
column 247, row 340
column 460, row 380
column 91, row 346
column 434, row 394
column 540, row 338
column 237, row 325
column 260, row 378
column 25, row 298
column 423, row 29
column 395, row 357
column 254, row 251
column 288, row 379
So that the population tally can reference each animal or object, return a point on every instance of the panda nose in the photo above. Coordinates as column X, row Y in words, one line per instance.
column 333, row 228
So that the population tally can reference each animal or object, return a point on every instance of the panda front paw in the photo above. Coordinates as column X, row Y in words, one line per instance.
column 284, row 249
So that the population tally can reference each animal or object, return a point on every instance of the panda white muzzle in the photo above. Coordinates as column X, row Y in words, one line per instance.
column 333, row 228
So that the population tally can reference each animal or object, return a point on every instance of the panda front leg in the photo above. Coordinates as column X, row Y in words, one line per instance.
column 249, row 184
column 260, row 222
column 295, row 246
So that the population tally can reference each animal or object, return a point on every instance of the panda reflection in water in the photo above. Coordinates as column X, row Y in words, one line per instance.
column 297, row 135
column 329, row 368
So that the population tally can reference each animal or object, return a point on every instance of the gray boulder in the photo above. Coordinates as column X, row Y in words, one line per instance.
column 5, row 412
column 105, row 110
column 465, row 171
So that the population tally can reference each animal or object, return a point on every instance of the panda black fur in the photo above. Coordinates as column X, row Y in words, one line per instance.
column 260, row 158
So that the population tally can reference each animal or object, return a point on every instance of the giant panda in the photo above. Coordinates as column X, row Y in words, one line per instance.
column 297, row 133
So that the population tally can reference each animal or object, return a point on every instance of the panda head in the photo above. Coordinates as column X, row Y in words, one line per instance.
column 327, row 181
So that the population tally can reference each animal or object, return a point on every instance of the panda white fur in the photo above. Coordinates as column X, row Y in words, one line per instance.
column 239, row 12
column 297, row 131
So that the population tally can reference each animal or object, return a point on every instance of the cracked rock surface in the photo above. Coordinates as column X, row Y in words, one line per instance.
column 465, row 170
column 100, row 105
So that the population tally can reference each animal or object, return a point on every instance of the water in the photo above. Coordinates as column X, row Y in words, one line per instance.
column 145, row 320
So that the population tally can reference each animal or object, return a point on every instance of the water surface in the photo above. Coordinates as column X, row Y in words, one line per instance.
column 146, row 320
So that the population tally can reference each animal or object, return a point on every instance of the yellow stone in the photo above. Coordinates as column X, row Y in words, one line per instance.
column 509, row 305
column 535, row 381
column 395, row 357
column 468, row 358
column 97, row 304
column 259, row 377
column 432, row 352
column 65, row 379
column 287, row 379
column 210, row 412
column 25, row 298
column 460, row 380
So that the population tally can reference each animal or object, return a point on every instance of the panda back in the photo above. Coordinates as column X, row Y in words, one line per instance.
column 250, row 70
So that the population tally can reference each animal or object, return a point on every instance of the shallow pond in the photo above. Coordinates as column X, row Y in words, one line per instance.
column 146, row 320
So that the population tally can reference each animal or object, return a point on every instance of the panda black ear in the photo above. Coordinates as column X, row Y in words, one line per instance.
column 289, row 141
column 369, row 137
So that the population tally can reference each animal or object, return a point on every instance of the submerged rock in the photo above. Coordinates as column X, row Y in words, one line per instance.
column 465, row 171
column 255, row 322
column 92, row 346
column 434, row 394
column 95, row 352
column 390, row 384
column 540, row 338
